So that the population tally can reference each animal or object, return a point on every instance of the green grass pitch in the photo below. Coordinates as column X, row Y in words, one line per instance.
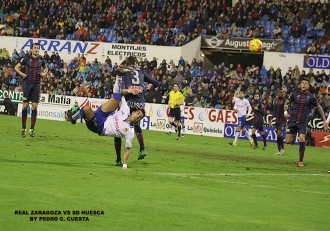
column 197, row 183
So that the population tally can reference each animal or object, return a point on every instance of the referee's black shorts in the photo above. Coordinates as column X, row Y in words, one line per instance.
column 175, row 113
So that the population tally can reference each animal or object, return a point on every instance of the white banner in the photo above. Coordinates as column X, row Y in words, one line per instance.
column 198, row 121
column 46, row 111
column 54, row 107
column 68, row 49
column 286, row 60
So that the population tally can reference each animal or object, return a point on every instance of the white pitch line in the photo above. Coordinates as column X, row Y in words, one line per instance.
column 199, row 176
column 242, row 174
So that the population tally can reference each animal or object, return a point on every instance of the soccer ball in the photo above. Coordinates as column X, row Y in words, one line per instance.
column 255, row 45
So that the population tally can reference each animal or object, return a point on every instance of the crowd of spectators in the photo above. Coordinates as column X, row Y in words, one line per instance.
column 173, row 22
column 210, row 89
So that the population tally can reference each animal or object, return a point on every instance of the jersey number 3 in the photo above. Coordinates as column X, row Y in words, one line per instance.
column 136, row 79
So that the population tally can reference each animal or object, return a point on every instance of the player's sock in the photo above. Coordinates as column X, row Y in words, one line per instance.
column 264, row 139
column 33, row 118
column 174, row 125
column 281, row 143
column 117, row 143
column 236, row 136
column 117, row 88
column 247, row 135
column 24, row 117
column 79, row 114
column 179, row 130
column 139, row 136
column 254, row 137
column 183, row 129
column 278, row 143
column 301, row 151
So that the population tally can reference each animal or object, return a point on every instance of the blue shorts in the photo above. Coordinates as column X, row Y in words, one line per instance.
column 96, row 124
column 241, row 121
column 294, row 128
column 31, row 92
column 182, row 120
column 175, row 113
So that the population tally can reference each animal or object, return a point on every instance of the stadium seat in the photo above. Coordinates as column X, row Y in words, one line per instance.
column 291, row 41
column 286, row 48
column 313, row 33
column 297, row 49
column 93, row 37
column 297, row 41
column 285, row 32
column 321, row 33
column 291, row 49
column 303, row 41
column 303, row 45
column 323, row 46
column 309, row 41
column 307, row 21
column 109, row 38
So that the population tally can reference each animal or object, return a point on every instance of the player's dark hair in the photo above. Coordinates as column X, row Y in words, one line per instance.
column 143, row 112
column 131, row 60
column 304, row 79
column 36, row 44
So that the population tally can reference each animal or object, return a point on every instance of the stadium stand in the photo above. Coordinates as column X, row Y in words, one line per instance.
column 140, row 22
column 171, row 23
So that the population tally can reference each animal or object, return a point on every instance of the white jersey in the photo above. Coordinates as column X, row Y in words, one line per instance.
column 117, row 125
column 241, row 105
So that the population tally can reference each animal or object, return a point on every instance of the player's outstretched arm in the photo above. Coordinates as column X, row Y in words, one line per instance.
column 124, row 70
column 126, row 156
column 325, row 124
column 18, row 70
column 148, row 79
column 328, row 119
